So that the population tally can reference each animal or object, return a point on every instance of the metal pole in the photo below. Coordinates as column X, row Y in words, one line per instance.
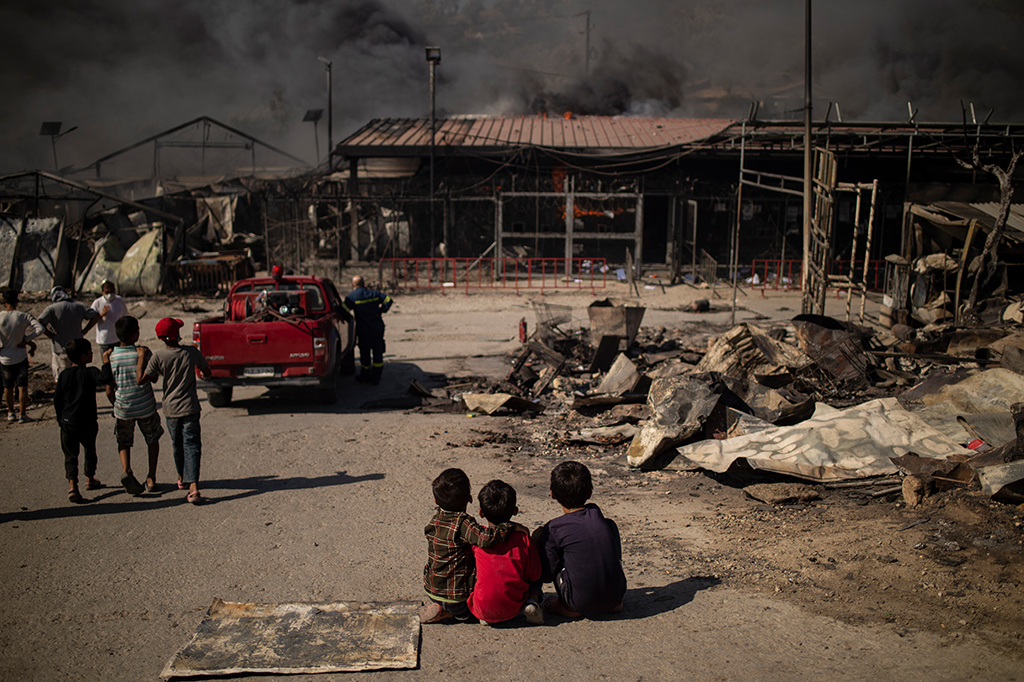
column 587, row 61
column 807, row 147
column 432, row 142
column 739, row 217
column 853, row 256
column 316, row 142
column 692, row 204
column 330, row 113
column 867, row 248
column 330, row 118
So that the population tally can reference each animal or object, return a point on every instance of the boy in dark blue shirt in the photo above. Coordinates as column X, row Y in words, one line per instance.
column 580, row 551
column 74, row 403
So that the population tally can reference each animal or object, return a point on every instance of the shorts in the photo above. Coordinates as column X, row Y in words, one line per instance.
column 124, row 430
column 16, row 374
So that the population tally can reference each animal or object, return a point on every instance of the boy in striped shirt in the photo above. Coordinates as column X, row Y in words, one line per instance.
column 133, row 405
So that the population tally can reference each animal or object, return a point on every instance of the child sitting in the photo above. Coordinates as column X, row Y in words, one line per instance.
column 580, row 551
column 74, row 403
column 504, row 572
column 448, row 575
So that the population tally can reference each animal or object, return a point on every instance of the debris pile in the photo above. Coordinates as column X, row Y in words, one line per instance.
column 918, row 410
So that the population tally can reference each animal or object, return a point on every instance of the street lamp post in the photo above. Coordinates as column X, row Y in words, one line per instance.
column 314, row 116
column 433, row 58
column 330, row 113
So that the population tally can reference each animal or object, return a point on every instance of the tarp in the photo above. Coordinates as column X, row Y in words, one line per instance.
column 37, row 264
column 236, row 638
column 854, row 443
column 140, row 272
column 992, row 390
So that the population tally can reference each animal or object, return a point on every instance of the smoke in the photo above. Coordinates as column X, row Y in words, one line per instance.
column 122, row 70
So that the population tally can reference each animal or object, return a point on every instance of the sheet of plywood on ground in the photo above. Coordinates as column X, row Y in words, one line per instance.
column 236, row 638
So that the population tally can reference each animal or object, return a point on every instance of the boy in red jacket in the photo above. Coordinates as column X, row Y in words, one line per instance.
column 504, row 571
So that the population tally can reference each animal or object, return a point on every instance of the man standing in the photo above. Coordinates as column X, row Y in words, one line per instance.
column 17, row 329
column 366, row 306
column 111, row 308
column 62, row 322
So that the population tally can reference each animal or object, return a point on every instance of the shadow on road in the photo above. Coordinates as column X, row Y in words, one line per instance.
column 168, row 497
column 644, row 602
column 353, row 397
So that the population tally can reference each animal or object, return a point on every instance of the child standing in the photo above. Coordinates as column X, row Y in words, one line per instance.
column 134, row 405
column 178, row 365
column 448, row 575
column 504, row 572
column 580, row 551
column 74, row 403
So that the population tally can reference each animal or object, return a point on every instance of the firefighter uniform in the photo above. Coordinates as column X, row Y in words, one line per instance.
column 366, row 306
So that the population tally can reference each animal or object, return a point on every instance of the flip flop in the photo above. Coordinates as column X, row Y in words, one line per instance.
column 182, row 486
column 194, row 497
column 131, row 484
column 75, row 497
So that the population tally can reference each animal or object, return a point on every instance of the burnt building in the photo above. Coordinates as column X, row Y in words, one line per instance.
column 667, row 190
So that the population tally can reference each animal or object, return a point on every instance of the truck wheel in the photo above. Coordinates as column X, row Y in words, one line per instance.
column 219, row 397
column 328, row 392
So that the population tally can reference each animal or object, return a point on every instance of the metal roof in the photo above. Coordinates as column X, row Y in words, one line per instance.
column 955, row 216
column 986, row 213
column 593, row 134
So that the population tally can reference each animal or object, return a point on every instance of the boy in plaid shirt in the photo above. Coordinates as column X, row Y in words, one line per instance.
column 451, row 534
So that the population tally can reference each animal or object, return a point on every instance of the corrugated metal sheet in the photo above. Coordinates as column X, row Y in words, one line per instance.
column 986, row 213
column 579, row 133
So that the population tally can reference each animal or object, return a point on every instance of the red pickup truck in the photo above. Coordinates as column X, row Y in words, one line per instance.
column 283, row 331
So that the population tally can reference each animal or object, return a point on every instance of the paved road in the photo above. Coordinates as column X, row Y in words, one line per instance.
column 309, row 503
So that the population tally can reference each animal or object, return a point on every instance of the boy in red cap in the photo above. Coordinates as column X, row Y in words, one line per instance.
column 178, row 365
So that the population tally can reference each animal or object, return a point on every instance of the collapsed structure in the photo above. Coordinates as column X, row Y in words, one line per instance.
column 704, row 198
column 811, row 399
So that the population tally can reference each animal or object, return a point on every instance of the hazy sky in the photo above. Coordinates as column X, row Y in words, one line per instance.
column 122, row 70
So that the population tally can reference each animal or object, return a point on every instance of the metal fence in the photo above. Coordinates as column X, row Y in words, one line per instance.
column 785, row 274
column 509, row 274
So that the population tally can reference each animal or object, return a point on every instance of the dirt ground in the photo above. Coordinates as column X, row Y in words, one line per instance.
column 323, row 503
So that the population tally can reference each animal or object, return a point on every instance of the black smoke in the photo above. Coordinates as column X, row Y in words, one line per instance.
column 122, row 70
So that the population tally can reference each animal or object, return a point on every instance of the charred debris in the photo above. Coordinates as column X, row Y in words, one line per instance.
column 792, row 408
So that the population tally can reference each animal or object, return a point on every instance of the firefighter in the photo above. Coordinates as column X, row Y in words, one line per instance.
column 366, row 306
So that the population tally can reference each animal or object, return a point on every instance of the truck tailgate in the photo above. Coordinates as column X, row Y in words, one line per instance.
column 262, row 344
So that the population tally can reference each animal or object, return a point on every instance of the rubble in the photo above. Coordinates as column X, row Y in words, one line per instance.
column 813, row 398
column 782, row 493
column 489, row 403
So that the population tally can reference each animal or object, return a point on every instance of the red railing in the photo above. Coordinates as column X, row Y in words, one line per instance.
column 510, row 274
column 785, row 274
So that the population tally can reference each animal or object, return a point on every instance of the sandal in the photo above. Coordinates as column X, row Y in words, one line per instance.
column 131, row 485
column 194, row 497
column 94, row 484
column 152, row 487
column 75, row 497
column 182, row 486
column 433, row 613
